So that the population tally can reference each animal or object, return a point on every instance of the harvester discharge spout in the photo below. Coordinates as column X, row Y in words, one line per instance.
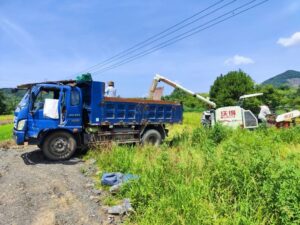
column 158, row 78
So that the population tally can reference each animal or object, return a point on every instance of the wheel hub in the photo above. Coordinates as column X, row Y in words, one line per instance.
column 152, row 140
column 60, row 144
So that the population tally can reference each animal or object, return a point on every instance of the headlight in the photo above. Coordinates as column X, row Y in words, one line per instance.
column 21, row 124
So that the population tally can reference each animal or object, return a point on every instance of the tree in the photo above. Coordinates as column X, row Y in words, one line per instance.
column 2, row 104
column 272, row 97
column 227, row 89
column 190, row 103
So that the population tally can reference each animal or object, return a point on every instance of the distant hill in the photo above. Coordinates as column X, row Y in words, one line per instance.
column 11, row 99
column 290, row 78
column 8, row 92
column 12, row 96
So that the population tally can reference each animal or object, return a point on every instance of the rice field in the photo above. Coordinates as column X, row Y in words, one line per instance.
column 210, row 176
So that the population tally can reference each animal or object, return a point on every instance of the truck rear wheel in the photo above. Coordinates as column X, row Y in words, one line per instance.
column 152, row 137
column 59, row 146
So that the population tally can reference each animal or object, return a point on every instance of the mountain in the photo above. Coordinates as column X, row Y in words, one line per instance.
column 290, row 78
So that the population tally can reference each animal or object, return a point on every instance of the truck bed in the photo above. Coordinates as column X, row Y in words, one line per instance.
column 132, row 111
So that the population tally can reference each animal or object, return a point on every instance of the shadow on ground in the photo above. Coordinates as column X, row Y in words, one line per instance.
column 37, row 157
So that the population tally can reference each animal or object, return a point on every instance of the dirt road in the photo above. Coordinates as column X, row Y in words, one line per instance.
column 36, row 191
column 3, row 122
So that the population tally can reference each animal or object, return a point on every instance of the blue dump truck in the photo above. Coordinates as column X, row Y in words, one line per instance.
column 65, row 116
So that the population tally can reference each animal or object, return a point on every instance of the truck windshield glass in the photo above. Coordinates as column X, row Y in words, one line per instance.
column 25, row 100
column 44, row 94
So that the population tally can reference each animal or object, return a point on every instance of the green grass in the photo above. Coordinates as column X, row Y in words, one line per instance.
column 6, row 132
column 211, row 176
column 191, row 120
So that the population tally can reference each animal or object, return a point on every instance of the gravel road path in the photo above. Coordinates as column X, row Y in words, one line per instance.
column 36, row 191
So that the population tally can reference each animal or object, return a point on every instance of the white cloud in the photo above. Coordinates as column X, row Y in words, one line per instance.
column 239, row 60
column 290, row 41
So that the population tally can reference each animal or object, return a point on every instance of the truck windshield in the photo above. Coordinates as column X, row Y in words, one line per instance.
column 25, row 100
column 45, row 93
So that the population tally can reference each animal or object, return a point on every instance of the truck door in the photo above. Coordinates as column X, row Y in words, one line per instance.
column 37, row 121
column 73, row 113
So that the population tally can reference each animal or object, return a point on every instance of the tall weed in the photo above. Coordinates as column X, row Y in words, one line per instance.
column 212, row 176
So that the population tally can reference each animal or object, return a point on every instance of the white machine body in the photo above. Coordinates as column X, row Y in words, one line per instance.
column 235, row 116
column 288, row 116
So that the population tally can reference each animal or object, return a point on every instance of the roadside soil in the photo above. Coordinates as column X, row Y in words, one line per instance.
column 36, row 191
column 3, row 122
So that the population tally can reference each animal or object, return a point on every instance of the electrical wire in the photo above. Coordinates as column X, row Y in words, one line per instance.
column 162, row 34
column 185, row 35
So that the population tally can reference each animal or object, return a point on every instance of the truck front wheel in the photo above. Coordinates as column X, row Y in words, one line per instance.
column 59, row 146
column 152, row 137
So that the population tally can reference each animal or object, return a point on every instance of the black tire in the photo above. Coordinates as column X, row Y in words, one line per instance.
column 151, row 137
column 59, row 146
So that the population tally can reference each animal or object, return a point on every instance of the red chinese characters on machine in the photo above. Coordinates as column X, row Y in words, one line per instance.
column 228, row 114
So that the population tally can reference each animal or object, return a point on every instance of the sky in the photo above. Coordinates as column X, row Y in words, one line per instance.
column 57, row 39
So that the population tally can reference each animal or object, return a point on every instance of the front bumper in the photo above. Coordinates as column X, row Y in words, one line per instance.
column 19, row 136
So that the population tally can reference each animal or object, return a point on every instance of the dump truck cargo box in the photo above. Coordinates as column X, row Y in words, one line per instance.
column 132, row 111
column 139, row 111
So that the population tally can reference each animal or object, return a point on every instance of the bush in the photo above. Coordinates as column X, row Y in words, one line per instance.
column 2, row 104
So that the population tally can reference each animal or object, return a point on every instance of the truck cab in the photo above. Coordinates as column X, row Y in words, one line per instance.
column 33, row 114
column 61, row 117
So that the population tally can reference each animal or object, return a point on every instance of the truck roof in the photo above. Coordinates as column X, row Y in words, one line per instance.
column 29, row 85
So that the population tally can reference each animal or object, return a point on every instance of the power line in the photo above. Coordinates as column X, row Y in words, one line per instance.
column 180, row 37
column 184, row 35
column 156, row 35
column 162, row 34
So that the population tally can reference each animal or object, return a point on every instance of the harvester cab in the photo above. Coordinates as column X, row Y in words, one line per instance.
column 236, row 116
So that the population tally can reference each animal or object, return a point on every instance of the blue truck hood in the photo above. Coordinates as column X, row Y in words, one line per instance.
column 21, row 114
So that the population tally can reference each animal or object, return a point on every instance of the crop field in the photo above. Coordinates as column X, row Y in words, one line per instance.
column 210, row 176
column 6, row 118
column 6, row 132
column 6, row 127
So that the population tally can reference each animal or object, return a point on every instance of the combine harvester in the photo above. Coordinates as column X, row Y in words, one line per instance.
column 232, row 116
